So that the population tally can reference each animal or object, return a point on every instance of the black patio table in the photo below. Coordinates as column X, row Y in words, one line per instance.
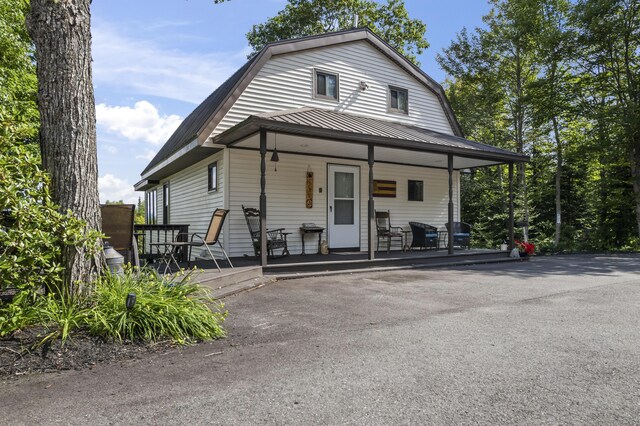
column 311, row 229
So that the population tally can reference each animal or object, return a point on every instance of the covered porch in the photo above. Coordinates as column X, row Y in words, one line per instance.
column 369, row 144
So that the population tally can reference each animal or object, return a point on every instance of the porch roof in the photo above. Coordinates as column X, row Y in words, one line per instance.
column 399, row 143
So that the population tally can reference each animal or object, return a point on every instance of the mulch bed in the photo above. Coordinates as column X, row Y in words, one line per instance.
column 20, row 353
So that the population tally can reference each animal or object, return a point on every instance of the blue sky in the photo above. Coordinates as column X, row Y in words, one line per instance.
column 155, row 61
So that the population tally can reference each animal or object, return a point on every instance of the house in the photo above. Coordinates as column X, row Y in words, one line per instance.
column 370, row 129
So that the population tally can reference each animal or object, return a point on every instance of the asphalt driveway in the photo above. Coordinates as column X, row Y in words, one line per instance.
column 554, row 340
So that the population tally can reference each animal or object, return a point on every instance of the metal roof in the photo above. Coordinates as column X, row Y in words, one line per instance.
column 316, row 122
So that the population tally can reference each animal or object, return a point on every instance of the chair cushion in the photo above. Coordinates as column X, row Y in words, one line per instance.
column 461, row 234
column 431, row 234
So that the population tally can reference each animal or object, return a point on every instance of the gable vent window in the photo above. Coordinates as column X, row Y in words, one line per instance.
column 398, row 100
column 326, row 85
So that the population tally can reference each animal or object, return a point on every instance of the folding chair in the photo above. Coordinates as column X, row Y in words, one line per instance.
column 211, row 238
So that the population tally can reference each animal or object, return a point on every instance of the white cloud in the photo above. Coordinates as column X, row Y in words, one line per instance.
column 111, row 149
column 142, row 67
column 148, row 155
column 113, row 189
column 142, row 122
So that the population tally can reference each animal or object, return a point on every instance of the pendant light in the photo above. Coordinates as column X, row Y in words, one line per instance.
column 274, row 155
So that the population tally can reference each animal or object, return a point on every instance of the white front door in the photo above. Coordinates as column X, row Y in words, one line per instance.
column 344, row 206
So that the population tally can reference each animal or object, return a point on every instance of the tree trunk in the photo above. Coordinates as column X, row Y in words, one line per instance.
column 559, row 167
column 60, row 30
column 635, row 177
column 519, row 129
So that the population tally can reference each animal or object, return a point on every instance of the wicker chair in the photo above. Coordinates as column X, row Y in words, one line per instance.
column 461, row 234
column 117, row 225
column 424, row 236
column 276, row 238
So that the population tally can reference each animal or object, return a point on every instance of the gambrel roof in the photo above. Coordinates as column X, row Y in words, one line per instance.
column 198, row 126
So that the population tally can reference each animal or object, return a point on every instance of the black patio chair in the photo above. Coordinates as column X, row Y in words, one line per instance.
column 461, row 234
column 386, row 231
column 424, row 236
column 276, row 238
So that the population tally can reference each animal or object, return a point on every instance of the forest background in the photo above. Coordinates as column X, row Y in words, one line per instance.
column 557, row 80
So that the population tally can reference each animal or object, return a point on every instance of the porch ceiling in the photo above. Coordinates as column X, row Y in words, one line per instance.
column 312, row 131
column 304, row 145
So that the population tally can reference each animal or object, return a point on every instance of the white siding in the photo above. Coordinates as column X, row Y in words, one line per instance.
column 286, row 196
column 286, row 81
column 191, row 202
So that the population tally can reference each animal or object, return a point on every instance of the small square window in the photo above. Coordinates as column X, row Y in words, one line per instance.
column 213, row 176
column 326, row 85
column 398, row 100
column 416, row 190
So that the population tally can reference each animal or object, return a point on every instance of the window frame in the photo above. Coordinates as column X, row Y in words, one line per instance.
column 390, row 108
column 212, row 186
column 151, row 207
column 410, row 193
column 317, row 95
column 166, row 200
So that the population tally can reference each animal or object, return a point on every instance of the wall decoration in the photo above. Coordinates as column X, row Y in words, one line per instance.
column 309, row 189
column 384, row 188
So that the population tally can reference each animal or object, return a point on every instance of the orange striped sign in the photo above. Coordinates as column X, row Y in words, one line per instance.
column 384, row 188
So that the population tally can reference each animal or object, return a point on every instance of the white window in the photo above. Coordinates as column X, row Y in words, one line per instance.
column 165, row 203
column 213, row 176
column 150, row 206
column 326, row 85
column 398, row 100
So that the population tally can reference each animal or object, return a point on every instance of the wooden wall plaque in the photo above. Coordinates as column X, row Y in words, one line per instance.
column 309, row 190
column 384, row 188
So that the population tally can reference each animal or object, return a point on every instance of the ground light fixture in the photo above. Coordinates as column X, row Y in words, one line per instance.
column 131, row 301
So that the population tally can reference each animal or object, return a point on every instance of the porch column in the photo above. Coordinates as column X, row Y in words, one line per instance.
column 511, row 234
column 450, row 216
column 372, row 226
column 263, row 198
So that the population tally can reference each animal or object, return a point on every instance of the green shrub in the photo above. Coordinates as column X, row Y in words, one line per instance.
column 165, row 309
column 57, row 314
column 61, row 315
column 33, row 232
column 18, row 314
column 178, row 310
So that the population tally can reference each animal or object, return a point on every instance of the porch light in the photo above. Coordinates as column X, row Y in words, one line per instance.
column 363, row 86
column 274, row 155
